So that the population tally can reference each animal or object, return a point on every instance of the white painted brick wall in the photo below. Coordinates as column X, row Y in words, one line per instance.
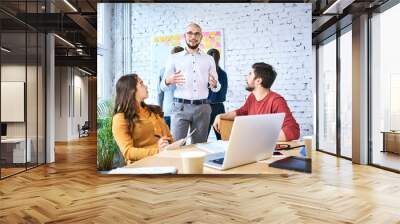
column 278, row 34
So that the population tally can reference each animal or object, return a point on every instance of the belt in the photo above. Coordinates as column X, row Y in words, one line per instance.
column 196, row 102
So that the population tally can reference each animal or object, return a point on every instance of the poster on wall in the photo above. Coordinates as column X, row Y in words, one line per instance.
column 13, row 99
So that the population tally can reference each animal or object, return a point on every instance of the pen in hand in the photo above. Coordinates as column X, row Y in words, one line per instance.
column 159, row 136
column 163, row 140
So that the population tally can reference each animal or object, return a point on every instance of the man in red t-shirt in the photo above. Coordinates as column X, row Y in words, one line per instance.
column 264, row 101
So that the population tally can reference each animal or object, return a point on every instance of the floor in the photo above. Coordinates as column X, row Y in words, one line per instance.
column 387, row 159
column 11, row 169
column 70, row 191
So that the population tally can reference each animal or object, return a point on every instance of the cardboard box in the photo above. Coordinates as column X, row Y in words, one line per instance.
column 226, row 127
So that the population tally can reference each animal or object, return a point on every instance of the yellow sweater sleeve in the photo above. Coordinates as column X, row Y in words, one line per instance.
column 125, row 142
column 166, row 129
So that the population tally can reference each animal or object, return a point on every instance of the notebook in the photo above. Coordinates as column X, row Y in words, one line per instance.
column 144, row 170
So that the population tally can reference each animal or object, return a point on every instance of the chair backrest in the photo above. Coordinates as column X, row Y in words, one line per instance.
column 86, row 125
column 226, row 127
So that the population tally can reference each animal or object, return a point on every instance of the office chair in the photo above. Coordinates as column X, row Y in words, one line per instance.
column 84, row 130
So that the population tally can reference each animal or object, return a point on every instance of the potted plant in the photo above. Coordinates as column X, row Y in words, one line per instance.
column 107, row 149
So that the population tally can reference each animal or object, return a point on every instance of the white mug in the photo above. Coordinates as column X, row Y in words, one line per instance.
column 192, row 162
column 308, row 144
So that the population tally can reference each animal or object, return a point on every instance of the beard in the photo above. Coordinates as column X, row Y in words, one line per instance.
column 249, row 88
column 193, row 47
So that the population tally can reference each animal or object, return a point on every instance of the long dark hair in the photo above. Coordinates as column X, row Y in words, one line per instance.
column 125, row 100
column 215, row 54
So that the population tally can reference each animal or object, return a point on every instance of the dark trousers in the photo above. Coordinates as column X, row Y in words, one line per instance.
column 187, row 117
column 217, row 108
column 167, row 120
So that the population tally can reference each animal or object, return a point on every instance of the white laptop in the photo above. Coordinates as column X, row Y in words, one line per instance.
column 253, row 138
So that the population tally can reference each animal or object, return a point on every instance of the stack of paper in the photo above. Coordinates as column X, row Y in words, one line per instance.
column 145, row 170
column 214, row 147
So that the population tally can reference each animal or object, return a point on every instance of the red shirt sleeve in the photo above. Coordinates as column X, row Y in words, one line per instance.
column 244, row 110
column 290, row 127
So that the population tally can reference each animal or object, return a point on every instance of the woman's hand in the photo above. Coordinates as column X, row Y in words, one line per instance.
column 163, row 142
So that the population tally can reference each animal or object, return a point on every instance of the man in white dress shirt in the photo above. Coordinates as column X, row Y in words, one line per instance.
column 192, row 72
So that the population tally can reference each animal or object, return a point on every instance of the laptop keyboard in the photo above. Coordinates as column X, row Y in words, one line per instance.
column 218, row 161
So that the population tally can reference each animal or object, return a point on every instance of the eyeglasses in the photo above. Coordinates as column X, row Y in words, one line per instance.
column 190, row 33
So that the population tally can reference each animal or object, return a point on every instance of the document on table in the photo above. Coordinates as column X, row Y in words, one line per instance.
column 180, row 142
column 145, row 170
column 214, row 147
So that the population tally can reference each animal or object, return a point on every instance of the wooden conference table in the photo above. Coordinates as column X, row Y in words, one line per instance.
column 173, row 158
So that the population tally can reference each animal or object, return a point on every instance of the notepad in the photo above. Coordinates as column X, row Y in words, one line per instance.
column 144, row 170
column 293, row 163
column 175, row 145
column 180, row 142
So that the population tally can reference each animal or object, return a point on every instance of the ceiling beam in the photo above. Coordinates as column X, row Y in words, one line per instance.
column 86, row 27
column 82, row 61
column 320, row 22
column 337, row 6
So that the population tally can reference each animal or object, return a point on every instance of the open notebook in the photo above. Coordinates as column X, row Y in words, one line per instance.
column 180, row 142
column 144, row 170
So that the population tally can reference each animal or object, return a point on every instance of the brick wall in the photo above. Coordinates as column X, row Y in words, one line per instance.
column 278, row 34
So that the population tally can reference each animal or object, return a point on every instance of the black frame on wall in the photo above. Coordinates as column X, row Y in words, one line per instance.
column 43, row 54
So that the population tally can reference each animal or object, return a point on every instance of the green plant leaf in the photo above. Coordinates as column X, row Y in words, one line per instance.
column 106, row 145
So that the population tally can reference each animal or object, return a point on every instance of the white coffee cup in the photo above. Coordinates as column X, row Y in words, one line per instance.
column 192, row 162
column 308, row 144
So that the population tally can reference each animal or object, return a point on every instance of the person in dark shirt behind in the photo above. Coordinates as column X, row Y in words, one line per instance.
column 262, row 100
column 166, row 98
column 217, row 99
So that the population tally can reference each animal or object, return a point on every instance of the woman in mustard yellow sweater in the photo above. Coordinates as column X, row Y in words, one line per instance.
column 138, row 129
